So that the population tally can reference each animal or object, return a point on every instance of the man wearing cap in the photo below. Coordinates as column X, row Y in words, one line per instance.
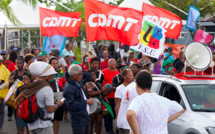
column 167, row 64
column 76, row 100
column 44, row 56
column 39, row 58
column 44, row 95
column 11, row 67
column 168, row 56
column 4, row 76
column 9, row 64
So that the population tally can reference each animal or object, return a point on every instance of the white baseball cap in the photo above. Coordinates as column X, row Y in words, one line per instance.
column 40, row 68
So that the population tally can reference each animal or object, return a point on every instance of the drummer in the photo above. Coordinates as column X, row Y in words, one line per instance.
column 94, row 89
column 20, row 123
column 17, row 74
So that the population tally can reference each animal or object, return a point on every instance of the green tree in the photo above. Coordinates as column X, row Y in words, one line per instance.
column 204, row 6
column 7, row 10
column 116, row 2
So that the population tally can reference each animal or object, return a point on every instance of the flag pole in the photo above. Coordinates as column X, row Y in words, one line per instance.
column 176, row 8
column 41, row 46
column 88, row 55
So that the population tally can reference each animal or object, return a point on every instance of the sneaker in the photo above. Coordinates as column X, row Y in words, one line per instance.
column 9, row 118
column 2, row 130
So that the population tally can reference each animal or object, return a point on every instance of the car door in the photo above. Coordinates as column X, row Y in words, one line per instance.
column 155, row 86
column 171, row 92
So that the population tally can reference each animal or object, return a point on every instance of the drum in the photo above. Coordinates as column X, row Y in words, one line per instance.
column 96, row 107
column 58, row 95
column 9, row 99
column 4, row 85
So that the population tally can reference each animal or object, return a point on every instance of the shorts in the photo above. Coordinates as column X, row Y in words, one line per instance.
column 21, row 123
column 58, row 114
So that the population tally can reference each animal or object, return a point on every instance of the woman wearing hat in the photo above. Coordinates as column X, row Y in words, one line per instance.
column 146, row 64
column 172, row 71
column 167, row 64
column 44, row 95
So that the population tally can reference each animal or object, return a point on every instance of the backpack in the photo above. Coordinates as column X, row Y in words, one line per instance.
column 28, row 110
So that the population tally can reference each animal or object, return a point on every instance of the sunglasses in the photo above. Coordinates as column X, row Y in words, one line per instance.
column 112, row 62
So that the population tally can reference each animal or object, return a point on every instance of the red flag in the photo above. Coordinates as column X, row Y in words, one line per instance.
column 106, row 22
column 202, row 37
column 169, row 21
column 60, row 23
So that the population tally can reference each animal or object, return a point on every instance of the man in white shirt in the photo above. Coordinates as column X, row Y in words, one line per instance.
column 149, row 113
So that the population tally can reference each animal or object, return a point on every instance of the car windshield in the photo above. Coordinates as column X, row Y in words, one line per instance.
column 200, row 97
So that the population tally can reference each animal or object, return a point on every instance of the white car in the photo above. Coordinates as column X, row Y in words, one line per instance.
column 197, row 95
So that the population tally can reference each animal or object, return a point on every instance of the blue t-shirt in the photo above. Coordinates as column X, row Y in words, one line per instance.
column 163, row 73
column 65, row 53
column 171, row 58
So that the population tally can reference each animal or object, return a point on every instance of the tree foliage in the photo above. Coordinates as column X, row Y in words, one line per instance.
column 204, row 6
column 8, row 11
column 116, row 2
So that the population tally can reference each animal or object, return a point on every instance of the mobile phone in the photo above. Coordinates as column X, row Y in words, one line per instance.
column 62, row 99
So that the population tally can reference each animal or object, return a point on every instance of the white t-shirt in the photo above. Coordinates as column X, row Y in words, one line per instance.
column 153, row 112
column 119, row 91
column 128, row 95
column 62, row 61
column 66, row 52
column 45, row 97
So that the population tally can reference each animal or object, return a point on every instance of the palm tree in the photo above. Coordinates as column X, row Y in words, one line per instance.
column 7, row 10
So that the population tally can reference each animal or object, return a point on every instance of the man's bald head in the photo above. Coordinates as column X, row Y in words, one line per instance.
column 112, row 64
column 105, row 55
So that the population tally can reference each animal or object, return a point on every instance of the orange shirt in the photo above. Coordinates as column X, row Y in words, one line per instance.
column 108, row 77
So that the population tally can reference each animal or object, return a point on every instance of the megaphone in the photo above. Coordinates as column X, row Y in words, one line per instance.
column 198, row 56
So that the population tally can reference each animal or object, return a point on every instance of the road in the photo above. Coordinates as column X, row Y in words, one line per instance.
column 65, row 127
